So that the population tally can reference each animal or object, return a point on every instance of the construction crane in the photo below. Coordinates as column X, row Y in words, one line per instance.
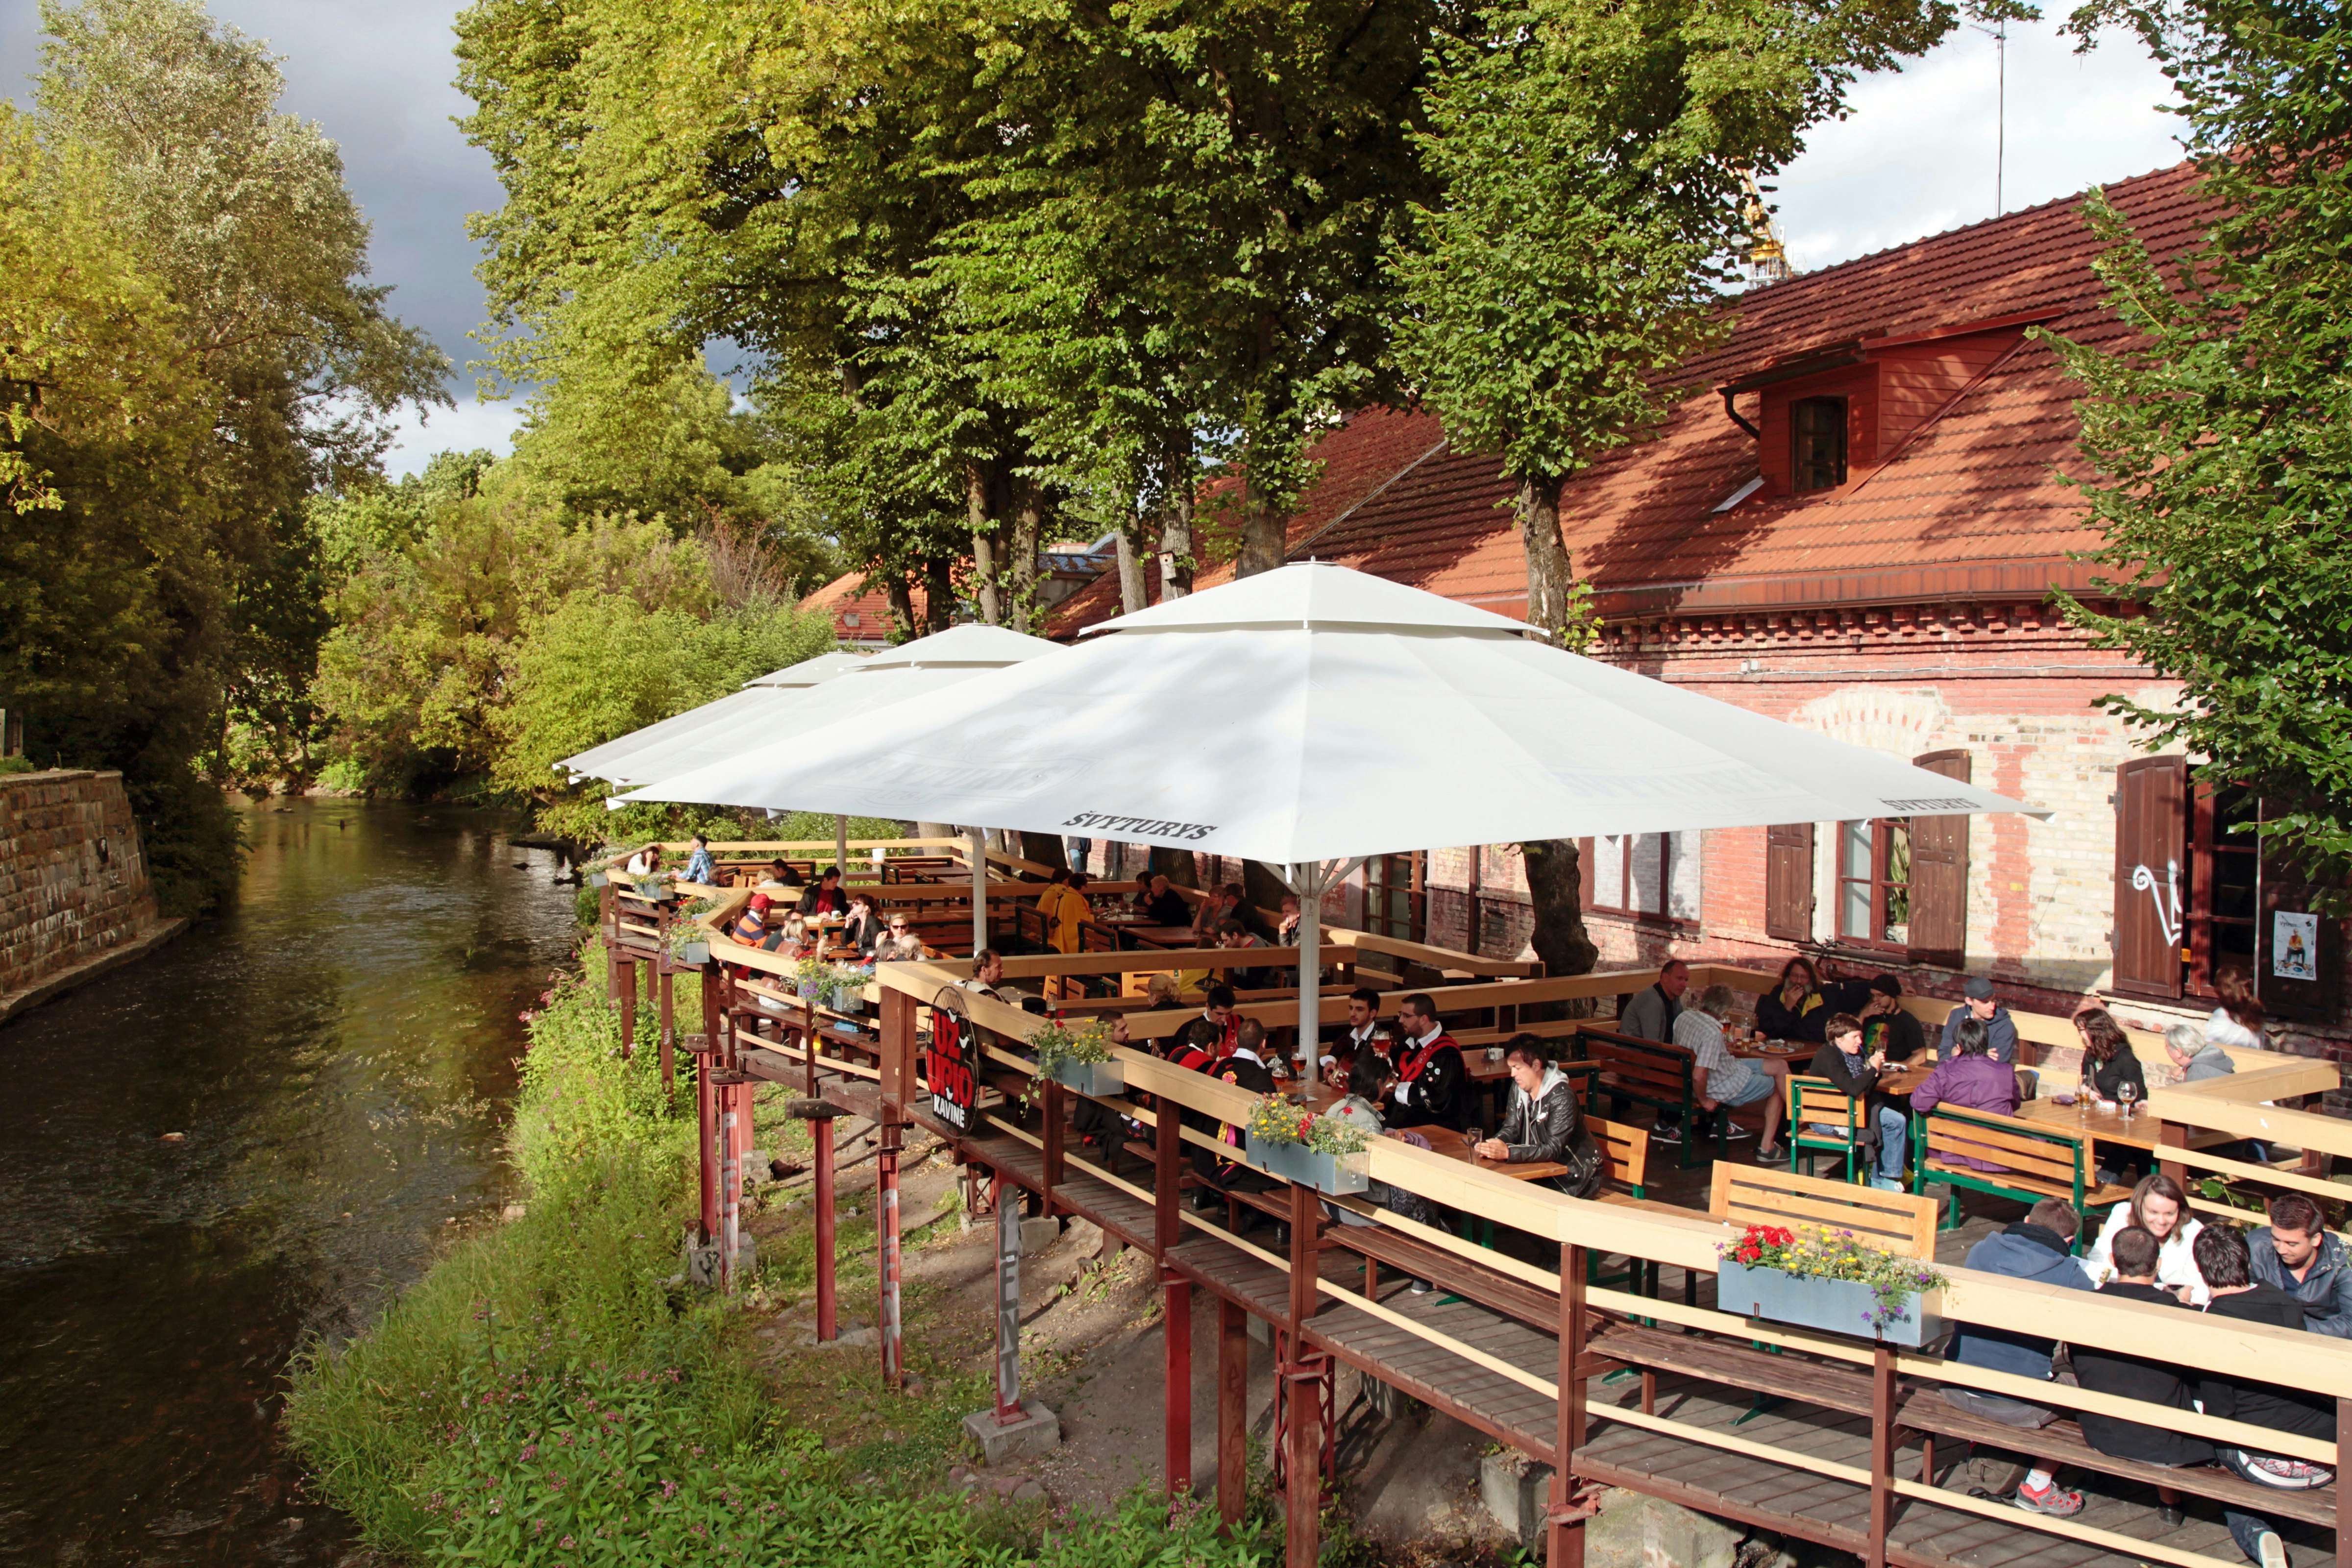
column 1768, row 258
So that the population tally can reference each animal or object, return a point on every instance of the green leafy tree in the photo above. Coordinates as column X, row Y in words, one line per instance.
column 237, row 254
column 1589, row 160
column 2221, row 435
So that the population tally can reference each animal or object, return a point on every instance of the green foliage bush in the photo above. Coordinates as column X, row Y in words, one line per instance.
column 544, row 1396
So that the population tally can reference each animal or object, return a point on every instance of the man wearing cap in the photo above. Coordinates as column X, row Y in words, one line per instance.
column 2000, row 1029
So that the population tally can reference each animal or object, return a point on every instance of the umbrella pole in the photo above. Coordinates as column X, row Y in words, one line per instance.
column 1307, row 882
column 841, row 849
column 977, row 838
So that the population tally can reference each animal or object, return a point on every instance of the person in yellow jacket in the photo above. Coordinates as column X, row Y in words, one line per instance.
column 1064, row 907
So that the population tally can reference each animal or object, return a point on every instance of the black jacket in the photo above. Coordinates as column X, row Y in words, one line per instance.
column 1549, row 1126
column 1440, row 1095
column 2263, row 1404
column 1168, row 910
column 822, row 900
column 2136, row 1377
column 1829, row 1062
column 1781, row 1022
column 2121, row 1068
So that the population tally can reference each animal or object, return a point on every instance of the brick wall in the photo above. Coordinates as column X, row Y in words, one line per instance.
column 73, row 881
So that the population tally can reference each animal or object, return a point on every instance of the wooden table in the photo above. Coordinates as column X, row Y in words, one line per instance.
column 1455, row 1145
column 2145, row 1130
column 1143, row 935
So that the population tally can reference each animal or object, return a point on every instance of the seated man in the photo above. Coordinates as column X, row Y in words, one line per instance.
column 987, row 974
column 1217, row 1012
column 1233, row 934
column 2197, row 1057
column 2298, row 1253
column 699, row 868
column 2134, row 1252
column 1980, row 1004
column 781, row 876
column 828, row 897
column 1721, row 1082
column 1350, row 1038
column 1884, row 1134
column 751, row 927
column 2222, row 1258
column 1243, row 1069
column 1159, row 902
column 2038, row 1248
column 1432, row 1081
column 1062, row 907
column 1887, row 1029
column 1213, row 909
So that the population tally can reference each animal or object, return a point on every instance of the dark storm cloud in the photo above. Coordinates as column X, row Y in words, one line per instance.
column 377, row 77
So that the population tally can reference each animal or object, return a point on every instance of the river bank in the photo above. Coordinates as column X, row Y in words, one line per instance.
column 549, row 1394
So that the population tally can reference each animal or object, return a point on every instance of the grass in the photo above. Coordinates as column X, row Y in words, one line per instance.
column 546, row 1395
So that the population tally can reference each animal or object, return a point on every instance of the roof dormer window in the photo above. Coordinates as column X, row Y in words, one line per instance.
column 1817, row 428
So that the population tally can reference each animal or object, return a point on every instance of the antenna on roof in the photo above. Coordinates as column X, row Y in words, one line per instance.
column 1768, row 257
column 1999, row 34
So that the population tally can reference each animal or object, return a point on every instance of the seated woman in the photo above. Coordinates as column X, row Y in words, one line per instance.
column 864, row 929
column 2109, row 1065
column 2159, row 1207
column 896, row 943
column 1544, row 1124
column 1795, row 1009
column 1882, row 1135
column 1367, row 1092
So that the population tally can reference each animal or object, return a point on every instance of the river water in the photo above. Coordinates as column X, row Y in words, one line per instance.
column 337, row 1055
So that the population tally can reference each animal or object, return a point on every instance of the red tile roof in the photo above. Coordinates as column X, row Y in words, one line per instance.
column 1970, row 505
column 848, row 596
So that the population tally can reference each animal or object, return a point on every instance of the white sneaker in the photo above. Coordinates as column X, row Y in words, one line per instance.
column 2270, row 1551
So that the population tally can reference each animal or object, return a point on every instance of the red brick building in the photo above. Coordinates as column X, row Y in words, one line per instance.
column 1853, row 524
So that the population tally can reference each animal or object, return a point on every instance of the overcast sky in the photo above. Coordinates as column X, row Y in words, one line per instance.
column 1916, row 158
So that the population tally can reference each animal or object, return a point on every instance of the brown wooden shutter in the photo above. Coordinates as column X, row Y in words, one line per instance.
column 2151, row 873
column 1584, row 873
column 1939, row 874
column 1788, row 882
column 2298, row 988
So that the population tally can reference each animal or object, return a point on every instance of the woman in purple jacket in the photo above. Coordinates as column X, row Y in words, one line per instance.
column 1972, row 1077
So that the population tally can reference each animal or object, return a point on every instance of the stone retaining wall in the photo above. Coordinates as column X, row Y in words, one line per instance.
column 73, row 878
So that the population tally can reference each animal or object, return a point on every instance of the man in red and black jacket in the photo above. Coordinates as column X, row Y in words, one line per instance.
column 1217, row 1010
column 1432, row 1081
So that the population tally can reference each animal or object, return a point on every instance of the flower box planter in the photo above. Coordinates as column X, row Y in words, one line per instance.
column 1832, row 1306
column 597, row 879
column 695, row 953
column 849, row 1001
column 1104, row 1080
column 1338, row 1174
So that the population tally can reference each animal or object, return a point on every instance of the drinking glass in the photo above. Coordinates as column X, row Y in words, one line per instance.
column 2126, row 1093
column 1477, row 1138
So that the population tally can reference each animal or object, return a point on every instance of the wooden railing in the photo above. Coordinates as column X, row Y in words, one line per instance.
column 1648, row 1234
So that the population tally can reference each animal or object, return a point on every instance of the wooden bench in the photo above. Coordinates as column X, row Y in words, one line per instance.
column 1653, row 1073
column 1901, row 1223
column 1799, row 1378
column 2063, row 1443
column 1377, row 1244
column 2041, row 1160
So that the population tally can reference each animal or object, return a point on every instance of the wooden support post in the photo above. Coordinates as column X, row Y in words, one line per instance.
column 1881, row 1453
column 705, row 1108
column 1008, row 1303
column 885, row 1196
column 628, row 1006
column 1301, row 1392
column 1166, row 1182
column 2174, row 1135
column 1233, row 1412
column 2343, row 1447
column 828, row 1307
column 1563, row 1524
column 1055, row 1103
column 669, row 1031
column 1176, row 1378
column 608, row 928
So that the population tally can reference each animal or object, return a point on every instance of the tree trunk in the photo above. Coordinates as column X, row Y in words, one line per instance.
column 939, row 591
column 1133, row 594
column 1176, row 525
column 1045, row 848
column 902, row 606
column 1261, row 889
column 1554, row 868
column 980, row 506
column 1263, row 530
column 1549, row 574
column 1176, row 865
column 1021, row 570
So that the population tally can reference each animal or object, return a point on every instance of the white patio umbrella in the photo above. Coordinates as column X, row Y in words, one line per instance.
column 743, row 706
column 1314, row 715
column 861, row 693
